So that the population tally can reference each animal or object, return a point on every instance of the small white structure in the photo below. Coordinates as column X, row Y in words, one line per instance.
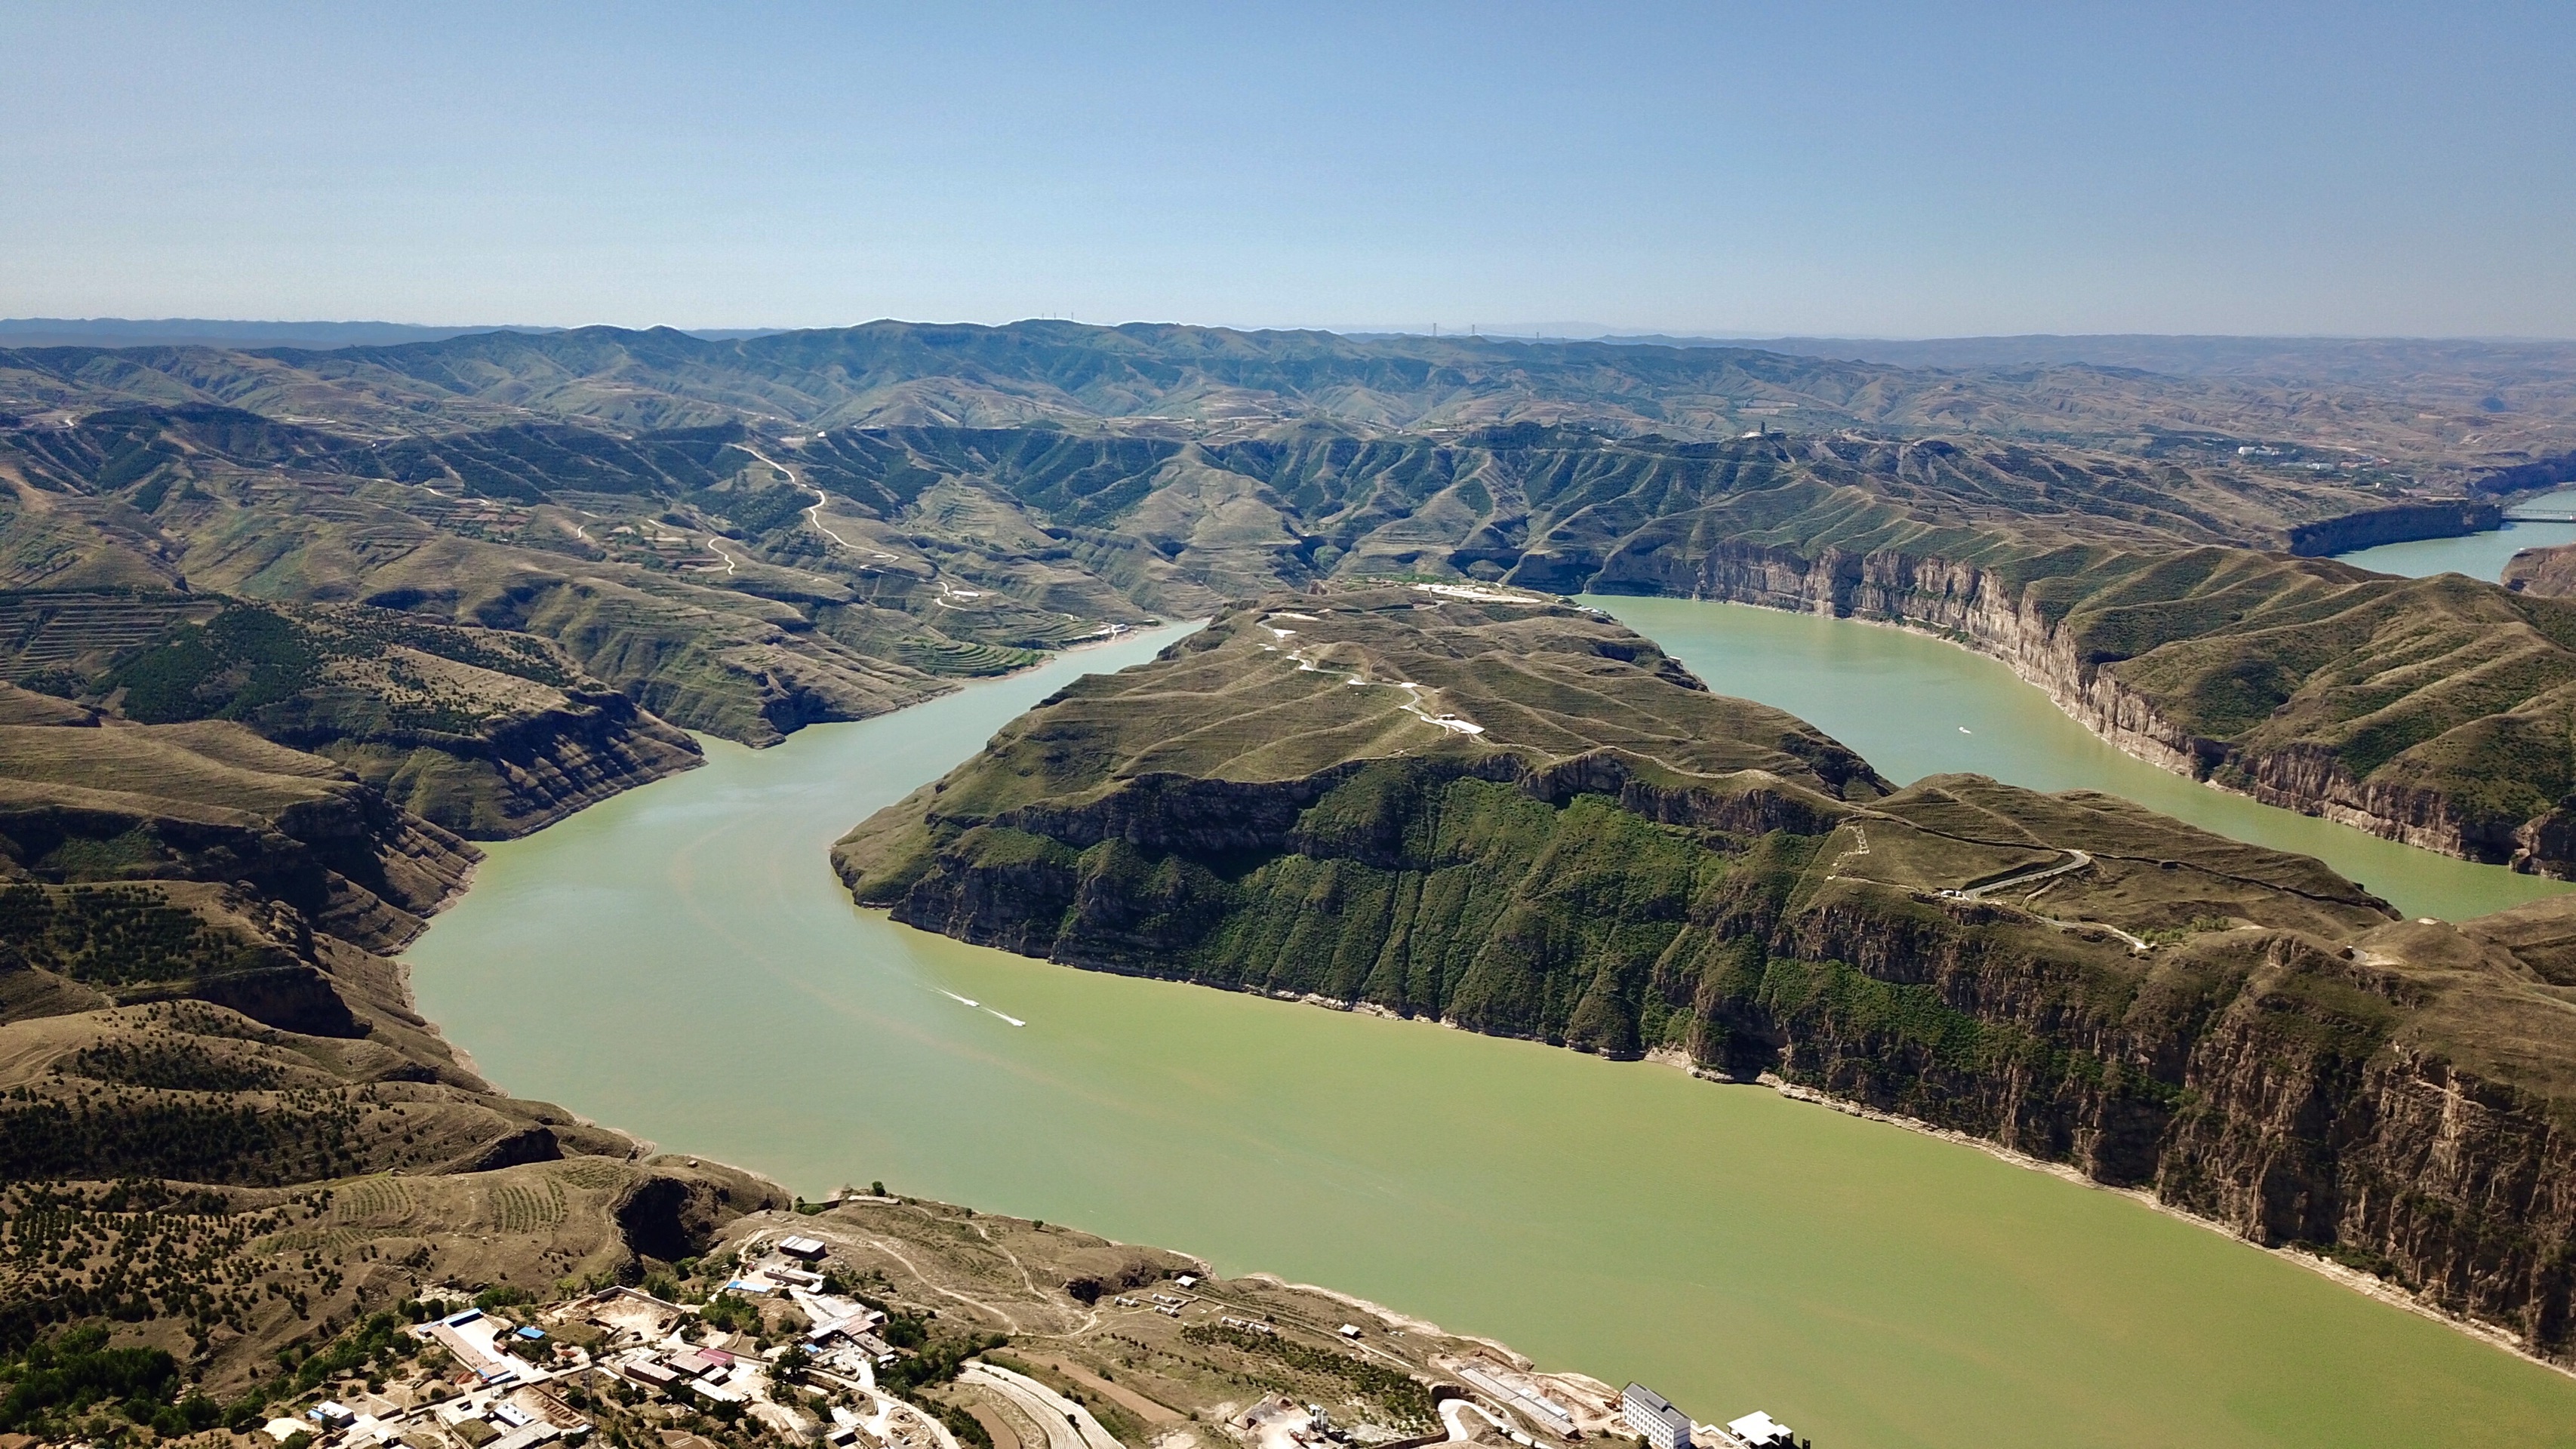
column 1651, row 1414
column 809, row 1249
column 1759, row 1430
column 1350, row 1330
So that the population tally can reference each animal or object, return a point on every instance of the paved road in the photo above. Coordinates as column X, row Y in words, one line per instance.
column 1068, row 1425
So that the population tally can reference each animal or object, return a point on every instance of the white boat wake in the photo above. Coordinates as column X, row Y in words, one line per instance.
column 1006, row 1016
column 953, row 996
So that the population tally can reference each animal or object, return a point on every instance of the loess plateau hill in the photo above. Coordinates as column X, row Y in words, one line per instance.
column 744, row 536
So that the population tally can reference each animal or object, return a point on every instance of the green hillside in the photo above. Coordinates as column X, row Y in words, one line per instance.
column 1514, row 816
column 204, row 1036
column 745, row 565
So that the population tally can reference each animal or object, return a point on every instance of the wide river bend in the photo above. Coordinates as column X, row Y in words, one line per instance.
column 680, row 962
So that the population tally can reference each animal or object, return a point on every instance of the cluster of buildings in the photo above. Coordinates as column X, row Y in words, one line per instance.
column 654, row 1350
column 503, row 1384
column 504, row 1395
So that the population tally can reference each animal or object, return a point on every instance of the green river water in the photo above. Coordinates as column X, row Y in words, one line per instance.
column 680, row 962
column 2479, row 555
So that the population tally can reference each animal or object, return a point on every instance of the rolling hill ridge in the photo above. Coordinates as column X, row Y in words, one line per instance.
column 744, row 536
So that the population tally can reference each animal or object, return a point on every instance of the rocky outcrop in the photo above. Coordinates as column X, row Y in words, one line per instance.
column 2396, row 523
column 522, row 772
column 2546, row 472
column 294, row 997
column 2548, row 573
column 676, row 1212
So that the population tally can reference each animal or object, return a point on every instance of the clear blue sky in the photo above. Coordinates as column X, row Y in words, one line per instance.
column 1884, row 170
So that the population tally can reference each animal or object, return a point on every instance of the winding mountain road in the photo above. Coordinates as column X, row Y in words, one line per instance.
column 813, row 513
column 1068, row 1425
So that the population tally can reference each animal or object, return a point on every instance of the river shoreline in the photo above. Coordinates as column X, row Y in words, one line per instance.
column 2358, row 1282
column 2137, row 744
column 848, row 950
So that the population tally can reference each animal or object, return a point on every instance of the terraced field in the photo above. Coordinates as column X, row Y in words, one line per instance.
column 372, row 1201
column 526, row 1207
column 949, row 657
column 46, row 633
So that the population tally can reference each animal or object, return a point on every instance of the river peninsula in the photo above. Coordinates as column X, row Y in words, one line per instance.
column 297, row 646
column 679, row 960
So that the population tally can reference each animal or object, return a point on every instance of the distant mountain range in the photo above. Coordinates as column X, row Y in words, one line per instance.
column 2341, row 359
column 2436, row 412
column 211, row 332
column 2345, row 360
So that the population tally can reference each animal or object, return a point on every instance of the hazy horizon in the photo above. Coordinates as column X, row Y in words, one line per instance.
column 1508, row 332
column 1848, row 171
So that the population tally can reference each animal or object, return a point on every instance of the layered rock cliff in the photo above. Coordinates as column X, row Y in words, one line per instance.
column 2396, row 523
column 1512, row 816
column 2548, row 573
column 523, row 771
column 2304, row 683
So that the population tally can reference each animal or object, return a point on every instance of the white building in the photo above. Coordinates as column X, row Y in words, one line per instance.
column 1650, row 1414
column 1759, row 1430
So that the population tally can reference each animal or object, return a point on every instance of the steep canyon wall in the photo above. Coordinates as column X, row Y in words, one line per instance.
column 1980, row 608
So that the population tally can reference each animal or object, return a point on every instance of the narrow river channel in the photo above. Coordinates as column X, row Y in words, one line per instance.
column 680, row 962
column 2479, row 555
column 1914, row 705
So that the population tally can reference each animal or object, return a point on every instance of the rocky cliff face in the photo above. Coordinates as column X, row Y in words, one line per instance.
column 2271, row 1080
column 2397, row 523
column 2274, row 1083
column 1982, row 608
column 2548, row 573
column 521, row 772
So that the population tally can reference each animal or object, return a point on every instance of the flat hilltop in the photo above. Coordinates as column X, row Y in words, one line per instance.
column 1318, row 724
column 1279, row 689
column 1495, row 809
